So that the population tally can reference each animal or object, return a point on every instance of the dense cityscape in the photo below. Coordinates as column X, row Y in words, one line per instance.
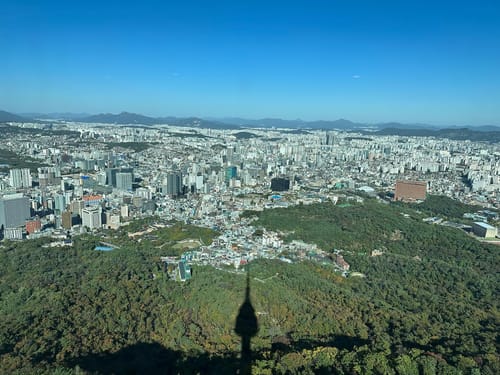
column 102, row 176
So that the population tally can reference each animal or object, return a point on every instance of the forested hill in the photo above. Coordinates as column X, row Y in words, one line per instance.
column 428, row 304
column 11, row 117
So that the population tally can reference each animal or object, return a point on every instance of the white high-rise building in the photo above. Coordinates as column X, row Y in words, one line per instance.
column 124, row 211
column 91, row 217
column 143, row 193
column 20, row 178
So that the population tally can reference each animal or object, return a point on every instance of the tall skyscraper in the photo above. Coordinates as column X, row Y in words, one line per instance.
column 59, row 203
column 174, row 184
column 20, row 178
column 111, row 176
column 14, row 210
column 330, row 139
column 124, row 181
column 231, row 172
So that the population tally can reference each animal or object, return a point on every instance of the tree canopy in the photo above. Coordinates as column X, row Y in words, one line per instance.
column 428, row 304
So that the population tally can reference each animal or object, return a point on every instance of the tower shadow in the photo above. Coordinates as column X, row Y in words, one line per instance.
column 246, row 327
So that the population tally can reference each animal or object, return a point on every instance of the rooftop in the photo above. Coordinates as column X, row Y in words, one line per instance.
column 484, row 225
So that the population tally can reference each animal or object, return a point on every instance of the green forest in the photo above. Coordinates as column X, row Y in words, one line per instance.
column 427, row 305
column 12, row 160
column 444, row 206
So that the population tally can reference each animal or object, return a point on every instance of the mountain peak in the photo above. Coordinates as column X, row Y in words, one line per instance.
column 11, row 117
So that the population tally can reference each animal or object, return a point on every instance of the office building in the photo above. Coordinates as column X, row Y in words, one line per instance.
column 112, row 172
column 59, row 203
column 76, row 206
column 14, row 210
column 199, row 182
column 67, row 219
column 101, row 178
column 329, row 139
column 91, row 217
column 484, row 230
column 280, row 184
column 49, row 176
column 124, row 211
column 124, row 181
column 231, row 172
column 174, row 184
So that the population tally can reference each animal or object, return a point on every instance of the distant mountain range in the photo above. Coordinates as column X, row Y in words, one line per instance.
column 55, row 115
column 490, row 132
column 120, row 118
column 126, row 118
column 10, row 117
column 479, row 134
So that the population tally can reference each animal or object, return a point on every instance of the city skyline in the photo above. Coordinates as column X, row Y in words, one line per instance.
column 370, row 63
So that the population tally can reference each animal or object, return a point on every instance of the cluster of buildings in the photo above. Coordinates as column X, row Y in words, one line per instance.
column 102, row 176
column 177, row 269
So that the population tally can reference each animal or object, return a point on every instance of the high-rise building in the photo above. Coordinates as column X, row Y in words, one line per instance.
column 329, row 139
column 67, row 219
column 48, row 176
column 199, row 181
column 174, row 184
column 14, row 210
column 59, row 203
column 76, row 207
column 20, row 178
column 101, row 178
column 124, row 181
column 91, row 217
column 231, row 172
column 124, row 211
column 111, row 174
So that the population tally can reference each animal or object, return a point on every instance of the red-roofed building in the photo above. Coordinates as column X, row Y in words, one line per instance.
column 33, row 226
column 92, row 200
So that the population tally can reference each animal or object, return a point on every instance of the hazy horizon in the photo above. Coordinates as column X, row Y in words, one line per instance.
column 228, row 118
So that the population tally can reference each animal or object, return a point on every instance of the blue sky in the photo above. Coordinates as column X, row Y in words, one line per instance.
column 371, row 61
